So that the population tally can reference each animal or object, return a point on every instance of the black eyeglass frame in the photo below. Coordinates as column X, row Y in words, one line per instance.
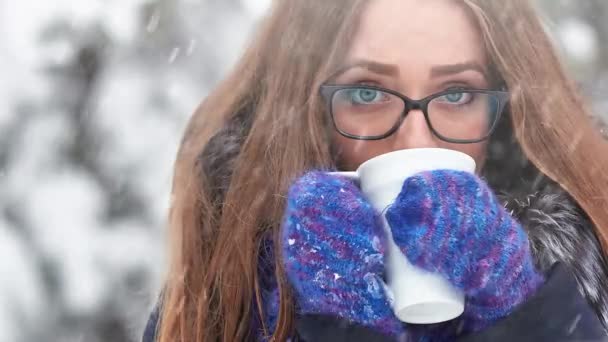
column 329, row 90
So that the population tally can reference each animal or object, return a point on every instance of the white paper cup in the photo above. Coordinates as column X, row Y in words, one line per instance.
column 418, row 296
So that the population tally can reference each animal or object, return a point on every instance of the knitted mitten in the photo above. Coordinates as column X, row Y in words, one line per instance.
column 450, row 222
column 332, row 244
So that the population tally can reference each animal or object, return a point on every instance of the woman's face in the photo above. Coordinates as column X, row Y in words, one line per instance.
column 416, row 48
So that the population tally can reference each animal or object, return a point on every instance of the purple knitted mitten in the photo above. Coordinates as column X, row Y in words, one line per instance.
column 450, row 222
column 333, row 252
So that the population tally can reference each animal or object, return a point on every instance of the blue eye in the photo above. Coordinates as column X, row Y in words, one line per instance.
column 456, row 98
column 363, row 96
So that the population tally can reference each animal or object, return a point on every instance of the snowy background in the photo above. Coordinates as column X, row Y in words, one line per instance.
column 94, row 95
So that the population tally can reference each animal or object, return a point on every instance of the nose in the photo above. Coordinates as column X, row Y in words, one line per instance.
column 414, row 132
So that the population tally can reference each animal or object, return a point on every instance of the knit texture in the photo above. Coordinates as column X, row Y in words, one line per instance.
column 333, row 251
column 450, row 222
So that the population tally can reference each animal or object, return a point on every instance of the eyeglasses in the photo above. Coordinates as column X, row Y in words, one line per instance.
column 461, row 116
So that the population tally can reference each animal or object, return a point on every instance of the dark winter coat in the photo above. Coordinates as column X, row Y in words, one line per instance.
column 573, row 303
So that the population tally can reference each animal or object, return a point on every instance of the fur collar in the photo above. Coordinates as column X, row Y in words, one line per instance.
column 559, row 231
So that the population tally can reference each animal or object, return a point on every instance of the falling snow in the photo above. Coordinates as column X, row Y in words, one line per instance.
column 86, row 157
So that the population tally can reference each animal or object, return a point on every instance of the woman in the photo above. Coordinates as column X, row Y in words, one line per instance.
column 301, row 99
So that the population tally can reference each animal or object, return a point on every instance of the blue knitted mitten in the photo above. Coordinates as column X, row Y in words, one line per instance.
column 450, row 222
column 333, row 251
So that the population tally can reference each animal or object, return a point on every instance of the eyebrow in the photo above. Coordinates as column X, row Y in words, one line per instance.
column 452, row 69
column 393, row 70
column 375, row 67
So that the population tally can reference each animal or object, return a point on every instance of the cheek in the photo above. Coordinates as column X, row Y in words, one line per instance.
column 351, row 152
column 476, row 151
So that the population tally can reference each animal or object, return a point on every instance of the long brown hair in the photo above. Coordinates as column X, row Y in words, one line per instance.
column 212, row 289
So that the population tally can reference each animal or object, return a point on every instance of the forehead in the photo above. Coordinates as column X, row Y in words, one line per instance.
column 416, row 34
